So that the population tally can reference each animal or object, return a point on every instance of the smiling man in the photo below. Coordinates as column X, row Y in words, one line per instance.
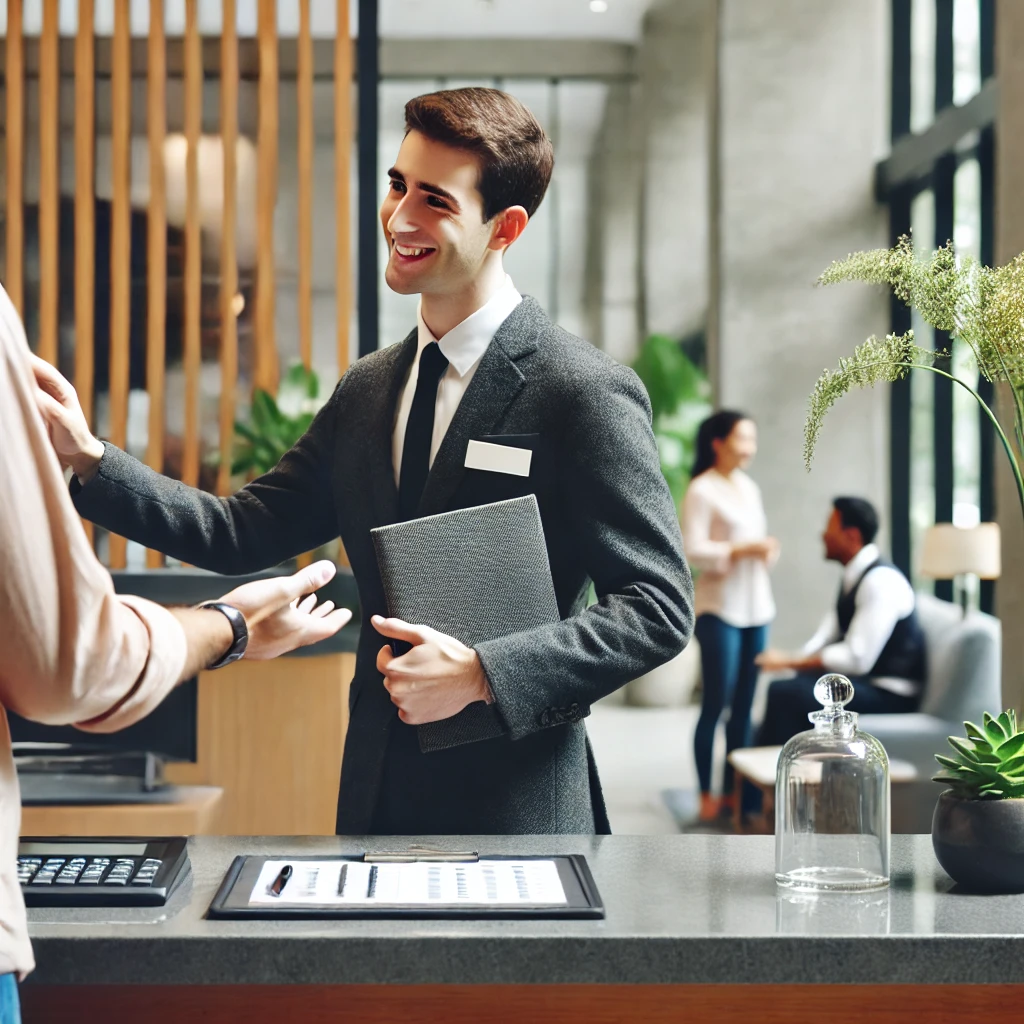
column 483, row 364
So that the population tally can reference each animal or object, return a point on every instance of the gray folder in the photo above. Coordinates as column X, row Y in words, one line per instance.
column 476, row 574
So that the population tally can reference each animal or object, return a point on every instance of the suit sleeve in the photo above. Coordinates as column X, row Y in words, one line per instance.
column 281, row 514
column 622, row 514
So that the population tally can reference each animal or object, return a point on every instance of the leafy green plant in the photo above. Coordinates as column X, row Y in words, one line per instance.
column 276, row 424
column 989, row 762
column 680, row 396
column 981, row 306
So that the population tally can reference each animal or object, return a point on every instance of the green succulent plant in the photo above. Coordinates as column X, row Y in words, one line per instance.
column 989, row 762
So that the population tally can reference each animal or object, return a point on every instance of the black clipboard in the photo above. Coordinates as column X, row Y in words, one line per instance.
column 231, row 902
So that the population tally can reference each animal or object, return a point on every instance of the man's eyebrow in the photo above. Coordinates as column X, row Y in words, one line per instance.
column 435, row 190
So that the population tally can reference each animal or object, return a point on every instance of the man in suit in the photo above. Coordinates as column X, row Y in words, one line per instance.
column 483, row 364
column 872, row 635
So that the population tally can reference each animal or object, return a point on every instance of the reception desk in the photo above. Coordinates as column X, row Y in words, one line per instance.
column 695, row 929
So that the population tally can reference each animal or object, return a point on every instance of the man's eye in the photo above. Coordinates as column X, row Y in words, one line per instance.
column 397, row 186
column 438, row 202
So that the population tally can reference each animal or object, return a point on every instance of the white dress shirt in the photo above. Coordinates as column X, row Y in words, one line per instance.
column 719, row 512
column 463, row 346
column 884, row 598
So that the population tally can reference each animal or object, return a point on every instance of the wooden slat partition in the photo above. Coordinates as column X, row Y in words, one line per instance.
column 305, row 154
column 193, row 242
column 14, row 82
column 342, row 185
column 156, row 245
column 120, row 242
column 49, row 182
column 265, row 361
column 228, row 258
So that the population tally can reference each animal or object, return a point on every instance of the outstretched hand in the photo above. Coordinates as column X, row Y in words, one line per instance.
column 280, row 619
column 436, row 679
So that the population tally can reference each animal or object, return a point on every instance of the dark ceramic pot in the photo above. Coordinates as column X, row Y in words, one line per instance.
column 980, row 843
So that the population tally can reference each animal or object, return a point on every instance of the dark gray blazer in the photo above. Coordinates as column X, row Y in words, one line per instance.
column 608, row 517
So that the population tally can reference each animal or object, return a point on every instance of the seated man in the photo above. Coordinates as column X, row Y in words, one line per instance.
column 873, row 635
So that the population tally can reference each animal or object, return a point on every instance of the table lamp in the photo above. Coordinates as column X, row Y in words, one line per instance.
column 949, row 552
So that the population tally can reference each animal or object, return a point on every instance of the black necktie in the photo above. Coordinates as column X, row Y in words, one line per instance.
column 419, row 431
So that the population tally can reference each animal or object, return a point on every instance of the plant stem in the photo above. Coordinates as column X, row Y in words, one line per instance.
column 1018, row 477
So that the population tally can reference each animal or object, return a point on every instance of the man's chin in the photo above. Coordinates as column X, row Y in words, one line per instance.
column 400, row 283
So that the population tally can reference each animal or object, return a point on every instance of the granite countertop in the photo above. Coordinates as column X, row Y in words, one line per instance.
column 680, row 910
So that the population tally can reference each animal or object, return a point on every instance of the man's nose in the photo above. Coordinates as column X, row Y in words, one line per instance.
column 401, row 219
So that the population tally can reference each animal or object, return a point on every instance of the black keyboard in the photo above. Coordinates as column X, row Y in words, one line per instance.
column 87, row 872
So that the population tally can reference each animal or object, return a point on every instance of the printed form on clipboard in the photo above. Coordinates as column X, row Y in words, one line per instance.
column 420, row 883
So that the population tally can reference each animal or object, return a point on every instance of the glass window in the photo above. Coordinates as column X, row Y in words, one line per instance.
column 966, row 49
column 922, row 64
column 922, row 402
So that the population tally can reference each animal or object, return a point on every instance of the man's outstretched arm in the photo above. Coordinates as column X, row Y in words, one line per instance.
column 286, row 511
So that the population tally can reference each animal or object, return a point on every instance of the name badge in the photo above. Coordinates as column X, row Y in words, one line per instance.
column 498, row 458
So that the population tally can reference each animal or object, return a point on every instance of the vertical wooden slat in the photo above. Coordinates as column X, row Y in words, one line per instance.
column 305, row 154
column 342, row 179
column 85, row 206
column 265, row 362
column 120, row 241
column 49, row 183
column 85, row 213
column 228, row 260
column 15, row 129
column 156, row 245
column 193, row 253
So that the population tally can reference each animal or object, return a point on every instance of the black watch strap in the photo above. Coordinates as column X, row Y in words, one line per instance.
column 239, row 631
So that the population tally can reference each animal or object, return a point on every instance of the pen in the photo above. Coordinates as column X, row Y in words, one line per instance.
column 371, row 885
column 281, row 881
column 342, row 879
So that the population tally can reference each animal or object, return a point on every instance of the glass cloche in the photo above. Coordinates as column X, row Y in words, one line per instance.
column 832, row 801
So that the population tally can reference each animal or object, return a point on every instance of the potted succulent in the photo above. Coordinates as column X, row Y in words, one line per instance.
column 978, row 827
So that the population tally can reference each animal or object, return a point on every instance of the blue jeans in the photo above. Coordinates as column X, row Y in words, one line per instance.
column 10, row 1007
column 727, row 656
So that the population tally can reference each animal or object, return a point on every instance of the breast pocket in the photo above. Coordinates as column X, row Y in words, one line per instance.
column 498, row 467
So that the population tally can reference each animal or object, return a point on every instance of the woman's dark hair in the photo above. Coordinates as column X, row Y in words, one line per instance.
column 859, row 514
column 717, row 427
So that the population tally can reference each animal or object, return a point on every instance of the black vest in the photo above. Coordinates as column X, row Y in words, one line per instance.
column 904, row 655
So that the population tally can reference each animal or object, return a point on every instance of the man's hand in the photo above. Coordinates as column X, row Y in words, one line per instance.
column 70, row 435
column 279, row 619
column 436, row 679
column 777, row 661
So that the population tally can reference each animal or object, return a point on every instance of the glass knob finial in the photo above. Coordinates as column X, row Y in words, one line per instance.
column 833, row 690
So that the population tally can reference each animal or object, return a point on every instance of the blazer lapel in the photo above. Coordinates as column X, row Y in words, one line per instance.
column 496, row 382
column 380, row 429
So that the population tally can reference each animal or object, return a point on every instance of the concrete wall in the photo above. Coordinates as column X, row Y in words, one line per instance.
column 803, row 115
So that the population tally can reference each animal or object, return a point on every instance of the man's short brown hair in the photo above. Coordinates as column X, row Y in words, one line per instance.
column 516, row 157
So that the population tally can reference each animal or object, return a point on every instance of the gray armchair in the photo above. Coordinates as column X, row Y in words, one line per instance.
column 964, row 665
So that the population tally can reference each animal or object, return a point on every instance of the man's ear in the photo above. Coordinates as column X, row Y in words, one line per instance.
column 508, row 226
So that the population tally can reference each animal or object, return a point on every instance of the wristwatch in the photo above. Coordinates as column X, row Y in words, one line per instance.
column 239, row 631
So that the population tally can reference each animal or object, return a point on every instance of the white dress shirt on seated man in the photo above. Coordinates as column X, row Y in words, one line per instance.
column 884, row 598
column 463, row 346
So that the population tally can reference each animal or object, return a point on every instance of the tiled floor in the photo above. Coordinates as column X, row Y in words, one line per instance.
column 640, row 752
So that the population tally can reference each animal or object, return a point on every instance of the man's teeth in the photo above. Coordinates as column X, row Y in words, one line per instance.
column 404, row 250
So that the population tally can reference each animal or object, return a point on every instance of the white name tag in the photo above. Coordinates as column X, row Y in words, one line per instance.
column 498, row 458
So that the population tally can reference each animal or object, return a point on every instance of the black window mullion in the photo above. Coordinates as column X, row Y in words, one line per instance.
column 368, row 81
column 899, row 312
column 986, row 163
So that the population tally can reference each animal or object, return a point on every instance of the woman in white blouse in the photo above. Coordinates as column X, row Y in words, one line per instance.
column 725, row 535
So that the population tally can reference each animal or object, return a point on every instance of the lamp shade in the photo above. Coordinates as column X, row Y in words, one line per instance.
column 949, row 551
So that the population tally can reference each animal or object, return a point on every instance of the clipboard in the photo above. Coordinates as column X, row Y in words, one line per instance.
column 234, row 898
